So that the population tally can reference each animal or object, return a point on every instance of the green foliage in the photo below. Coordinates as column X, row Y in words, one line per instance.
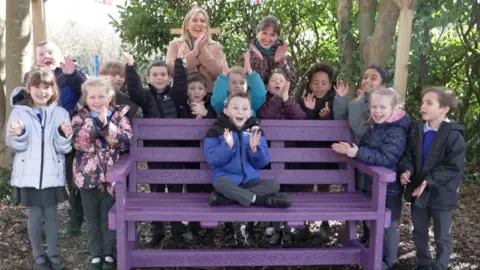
column 5, row 187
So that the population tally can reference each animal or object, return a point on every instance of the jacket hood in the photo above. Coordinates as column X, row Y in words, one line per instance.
column 18, row 95
column 224, row 122
column 399, row 118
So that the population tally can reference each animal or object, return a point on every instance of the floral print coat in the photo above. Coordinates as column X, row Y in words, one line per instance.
column 98, row 148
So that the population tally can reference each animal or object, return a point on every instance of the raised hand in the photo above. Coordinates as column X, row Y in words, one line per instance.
column 405, row 178
column 341, row 147
column 199, row 110
column 280, row 53
column 68, row 67
column 128, row 58
column 419, row 190
column 182, row 51
column 360, row 93
column 341, row 88
column 103, row 116
column 228, row 135
column 66, row 128
column 255, row 51
column 309, row 101
column 198, row 45
column 16, row 129
column 225, row 69
column 255, row 140
column 246, row 62
column 285, row 91
column 324, row 111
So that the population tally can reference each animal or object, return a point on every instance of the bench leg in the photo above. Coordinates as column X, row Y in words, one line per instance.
column 124, row 247
column 375, row 249
column 348, row 234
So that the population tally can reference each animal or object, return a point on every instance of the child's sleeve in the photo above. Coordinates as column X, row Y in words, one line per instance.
column 449, row 172
column 83, row 134
column 261, row 158
column 180, row 84
column 220, row 93
column 340, row 108
column 258, row 93
column 405, row 163
column 118, row 136
column 216, row 149
column 17, row 143
column 62, row 145
column 356, row 115
column 76, row 79
column 293, row 110
column 389, row 153
column 212, row 60
column 135, row 88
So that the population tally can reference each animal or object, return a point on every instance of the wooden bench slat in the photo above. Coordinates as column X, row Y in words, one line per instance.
column 245, row 257
column 187, row 176
column 195, row 154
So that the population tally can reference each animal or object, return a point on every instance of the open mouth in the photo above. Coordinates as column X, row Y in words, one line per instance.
column 277, row 88
column 239, row 119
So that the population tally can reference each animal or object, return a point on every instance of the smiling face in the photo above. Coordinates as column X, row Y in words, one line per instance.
column 320, row 84
column 97, row 99
column 158, row 77
column 196, row 91
column 431, row 109
column 238, row 83
column 380, row 108
column 48, row 55
column 238, row 110
column 371, row 80
column 40, row 94
column 197, row 24
column 267, row 37
column 276, row 83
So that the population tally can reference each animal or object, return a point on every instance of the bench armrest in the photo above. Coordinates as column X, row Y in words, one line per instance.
column 119, row 171
column 383, row 175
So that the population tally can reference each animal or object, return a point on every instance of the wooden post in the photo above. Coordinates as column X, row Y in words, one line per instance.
column 38, row 21
column 403, row 45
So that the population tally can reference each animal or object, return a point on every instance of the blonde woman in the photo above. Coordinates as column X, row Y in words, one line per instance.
column 196, row 46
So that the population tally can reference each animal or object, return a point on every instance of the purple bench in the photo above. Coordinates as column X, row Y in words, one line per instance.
column 350, row 205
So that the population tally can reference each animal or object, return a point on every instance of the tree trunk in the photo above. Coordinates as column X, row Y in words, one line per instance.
column 403, row 45
column 379, row 46
column 345, row 43
column 3, row 99
column 38, row 19
column 366, row 23
column 19, row 56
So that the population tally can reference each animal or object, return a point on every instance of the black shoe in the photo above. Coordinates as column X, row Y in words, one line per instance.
column 278, row 201
column 424, row 267
column 41, row 266
column 108, row 265
column 55, row 263
column 95, row 266
column 286, row 239
column 217, row 199
column 193, row 237
column 153, row 241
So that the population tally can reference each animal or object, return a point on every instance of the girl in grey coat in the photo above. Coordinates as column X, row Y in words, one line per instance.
column 40, row 134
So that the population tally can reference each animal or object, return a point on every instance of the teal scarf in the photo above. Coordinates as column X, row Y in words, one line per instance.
column 267, row 52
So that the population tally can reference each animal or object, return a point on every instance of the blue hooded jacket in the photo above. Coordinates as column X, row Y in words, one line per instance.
column 239, row 164
column 383, row 145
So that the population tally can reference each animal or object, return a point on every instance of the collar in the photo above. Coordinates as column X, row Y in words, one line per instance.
column 426, row 126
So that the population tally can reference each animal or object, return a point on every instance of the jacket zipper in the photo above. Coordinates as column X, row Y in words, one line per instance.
column 43, row 145
column 240, row 136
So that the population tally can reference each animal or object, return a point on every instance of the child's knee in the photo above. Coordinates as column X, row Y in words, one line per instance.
column 222, row 183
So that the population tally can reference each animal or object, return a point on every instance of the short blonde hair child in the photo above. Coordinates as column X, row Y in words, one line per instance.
column 102, row 83
column 112, row 67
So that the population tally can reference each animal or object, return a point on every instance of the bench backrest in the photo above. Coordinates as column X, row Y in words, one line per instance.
column 279, row 133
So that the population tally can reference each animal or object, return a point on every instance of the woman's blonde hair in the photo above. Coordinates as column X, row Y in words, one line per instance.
column 39, row 75
column 192, row 13
column 102, row 83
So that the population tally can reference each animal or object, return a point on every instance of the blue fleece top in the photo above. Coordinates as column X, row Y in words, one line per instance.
column 428, row 138
column 257, row 92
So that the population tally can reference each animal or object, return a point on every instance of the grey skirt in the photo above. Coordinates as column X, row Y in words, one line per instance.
column 41, row 197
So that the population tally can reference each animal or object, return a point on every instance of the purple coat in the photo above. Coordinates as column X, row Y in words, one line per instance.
column 275, row 108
